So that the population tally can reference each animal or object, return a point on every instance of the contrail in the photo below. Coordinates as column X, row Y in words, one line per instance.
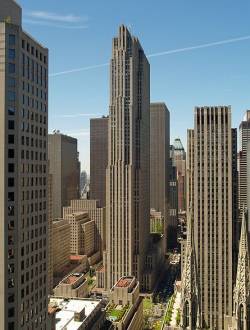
column 211, row 44
column 79, row 69
column 167, row 52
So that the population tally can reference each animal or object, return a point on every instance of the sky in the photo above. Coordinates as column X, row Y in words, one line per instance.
column 199, row 54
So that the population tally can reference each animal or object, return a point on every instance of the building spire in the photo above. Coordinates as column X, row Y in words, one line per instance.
column 190, row 296
column 242, row 286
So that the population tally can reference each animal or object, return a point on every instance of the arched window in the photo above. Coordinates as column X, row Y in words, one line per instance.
column 186, row 314
column 241, row 317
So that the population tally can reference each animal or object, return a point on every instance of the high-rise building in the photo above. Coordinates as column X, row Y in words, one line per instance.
column 244, row 139
column 64, row 167
column 128, row 177
column 159, row 161
column 83, row 181
column 173, row 203
column 23, row 175
column 98, row 158
column 96, row 213
column 211, row 166
column 179, row 159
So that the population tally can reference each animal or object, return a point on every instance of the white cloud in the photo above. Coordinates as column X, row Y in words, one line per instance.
column 43, row 15
column 51, row 24
column 49, row 19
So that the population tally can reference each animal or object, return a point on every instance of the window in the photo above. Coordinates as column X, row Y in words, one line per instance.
column 12, row 40
column 11, row 197
column 11, row 182
column 11, row 312
column 11, row 153
column 12, row 68
column 12, row 54
column 11, row 96
column 11, row 139
column 11, row 82
column 11, row 168
column 11, row 124
column 11, row 111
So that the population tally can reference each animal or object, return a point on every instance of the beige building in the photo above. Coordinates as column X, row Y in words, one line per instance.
column 98, row 158
column 60, row 244
column 211, row 169
column 23, row 175
column 128, row 176
column 159, row 161
column 64, row 167
column 125, row 308
column 72, row 286
column 81, row 233
column 96, row 213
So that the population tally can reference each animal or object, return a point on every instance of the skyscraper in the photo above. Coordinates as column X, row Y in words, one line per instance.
column 64, row 167
column 23, row 175
column 98, row 158
column 128, row 185
column 211, row 165
column 159, row 160
column 172, row 202
column 179, row 159
column 244, row 136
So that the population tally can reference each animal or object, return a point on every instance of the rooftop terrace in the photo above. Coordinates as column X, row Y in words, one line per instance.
column 66, row 308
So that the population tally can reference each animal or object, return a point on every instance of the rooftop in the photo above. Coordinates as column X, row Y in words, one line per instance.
column 178, row 144
column 124, row 282
column 68, row 307
column 115, row 313
column 72, row 278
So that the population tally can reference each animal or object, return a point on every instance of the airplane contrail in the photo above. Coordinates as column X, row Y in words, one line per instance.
column 167, row 52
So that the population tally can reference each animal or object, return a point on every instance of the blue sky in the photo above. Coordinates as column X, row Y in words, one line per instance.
column 78, row 34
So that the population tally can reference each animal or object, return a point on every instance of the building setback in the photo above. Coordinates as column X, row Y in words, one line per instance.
column 211, row 165
column 98, row 158
column 64, row 167
column 128, row 177
column 23, row 175
column 159, row 161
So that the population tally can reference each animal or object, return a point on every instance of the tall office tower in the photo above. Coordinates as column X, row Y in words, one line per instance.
column 64, row 167
column 179, row 158
column 98, row 158
column 210, row 194
column 128, row 182
column 83, row 181
column 173, row 203
column 23, row 175
column 244, row 136
column 159, row 160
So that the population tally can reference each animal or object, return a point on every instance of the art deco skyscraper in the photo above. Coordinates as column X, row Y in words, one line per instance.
column 159, row 161
column 128, row 202
column 98, row 158
column 211, row 171
column 23, row 175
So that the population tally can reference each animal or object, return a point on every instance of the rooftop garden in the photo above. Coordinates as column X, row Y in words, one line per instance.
column 115, row 313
